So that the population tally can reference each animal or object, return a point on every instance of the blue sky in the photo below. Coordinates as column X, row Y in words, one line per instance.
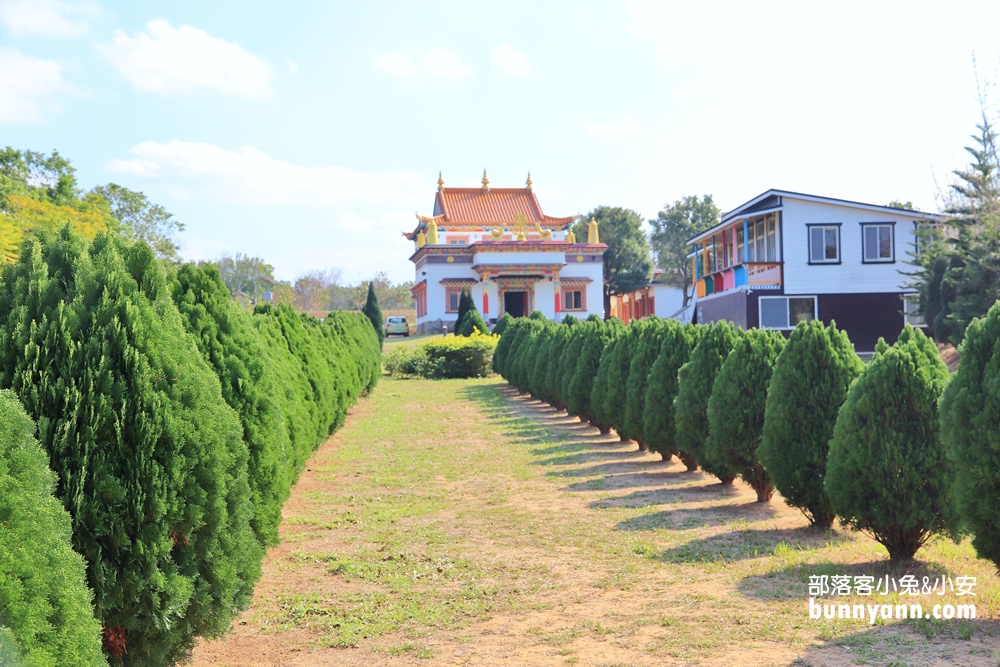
column 308, row 133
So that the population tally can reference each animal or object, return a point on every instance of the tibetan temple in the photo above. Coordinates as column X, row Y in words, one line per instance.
column 497, row 243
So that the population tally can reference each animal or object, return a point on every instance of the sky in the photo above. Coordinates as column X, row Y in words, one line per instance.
column 308, row 133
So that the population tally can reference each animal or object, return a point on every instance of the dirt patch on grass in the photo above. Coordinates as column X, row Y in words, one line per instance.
column 461, row 523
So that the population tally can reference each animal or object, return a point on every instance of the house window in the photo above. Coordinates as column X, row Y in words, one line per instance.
column 740, row 256
column 453, row 297
column 824, row 244
column 772, row 239
column 573, row 299
column 785, row 312
column 877, row 243
column 911, row 311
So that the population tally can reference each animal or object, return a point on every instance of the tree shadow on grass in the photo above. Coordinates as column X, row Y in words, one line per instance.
column 676, row 490
column 742, row 544
column 701, row 517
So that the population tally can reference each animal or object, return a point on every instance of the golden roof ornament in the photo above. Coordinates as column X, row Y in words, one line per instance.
column 432, row 233
column 570, row 236
column 592, row 236
column 486, row 182
column 440, row 182
column 528, row 182
column 520, row 227
column 421, row 239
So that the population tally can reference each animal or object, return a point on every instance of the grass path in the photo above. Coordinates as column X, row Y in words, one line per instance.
column 455, row 522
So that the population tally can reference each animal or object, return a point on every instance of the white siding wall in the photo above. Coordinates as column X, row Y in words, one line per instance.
column 519, row 258
column 435, row 290
column 545, row 297
column 851, row 275
column 667, row 301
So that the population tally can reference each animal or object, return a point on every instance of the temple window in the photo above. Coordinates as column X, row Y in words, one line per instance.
column 453, row 297
column 573, row 299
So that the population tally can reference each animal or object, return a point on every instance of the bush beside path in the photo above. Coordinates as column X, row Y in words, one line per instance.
column 458, row 522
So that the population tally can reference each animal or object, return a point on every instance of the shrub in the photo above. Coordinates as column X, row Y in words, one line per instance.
column 526, row 355
column 809, row 384
column 501, row 325
column 473, row 322
column 465, row 304
column 446, row 357
column 537, row 373
column 616, row 386
column 970, row 422
column 885, row 473
column 46, row 615
column 695, row 380
column 658, row 418
column 507, row 333
column 517, row 332
column 150, row 459
column 560, row 336
column 736, row 407
column 234, row 349
column 596, row 336
column 646, row 349
column 374, row 313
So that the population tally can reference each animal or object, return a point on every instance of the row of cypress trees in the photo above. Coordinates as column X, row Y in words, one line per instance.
column 837, row 437
column 175, row 423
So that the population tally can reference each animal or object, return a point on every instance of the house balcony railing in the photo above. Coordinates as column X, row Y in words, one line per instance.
column 755, row 275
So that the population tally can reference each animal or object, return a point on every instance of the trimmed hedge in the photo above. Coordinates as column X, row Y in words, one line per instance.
column 809, row 385
column 446, row 357
column 970, row 424
column 736, row 407
column 46, row 611
column 886, row 470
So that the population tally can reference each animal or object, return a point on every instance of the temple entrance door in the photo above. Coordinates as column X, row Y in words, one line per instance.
column 515, row 304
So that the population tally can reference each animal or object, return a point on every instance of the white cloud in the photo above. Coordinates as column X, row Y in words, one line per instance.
column 166, row 59
column 47, row 18
column 251, row 176
column 27, row 86
column 510, row 60
column 293, row 67
column 436, row 63
column 624, row 128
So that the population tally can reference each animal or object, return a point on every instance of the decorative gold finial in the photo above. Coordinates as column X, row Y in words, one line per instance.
column 421, row 239
column 440, row 182
column 520, row 227
column 570, row 236
column 432, row 233
column 486, row 182
column 528, row 182
column 592, row 236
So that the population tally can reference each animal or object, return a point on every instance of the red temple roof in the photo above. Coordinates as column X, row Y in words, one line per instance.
column 493, row 206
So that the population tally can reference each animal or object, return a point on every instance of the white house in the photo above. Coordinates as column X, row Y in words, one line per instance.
column 785, row 257
column 512, row 257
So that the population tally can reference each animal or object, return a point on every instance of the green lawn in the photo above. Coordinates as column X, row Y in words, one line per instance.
column 457, row 523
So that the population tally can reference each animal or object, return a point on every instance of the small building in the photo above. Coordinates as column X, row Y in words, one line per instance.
column 786, row 257
column 513, row 258
column 652, row 299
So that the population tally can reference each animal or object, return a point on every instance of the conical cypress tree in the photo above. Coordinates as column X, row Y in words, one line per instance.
column 970, row 424
column 581, row 387
column 233, row 347
column 501, row 326
column 569, row 320
column 560, row 335
column 46, row 615
column 465, row 304
column 599, row 392
column 810, row 382
column 695, row 380
column 527, row 355
column 518, row 331
column 536, row 379
column 374, row 313
column 571, row 362
column 736, row 407
column 886, row 473
column 616, row 386
column 473, row 321
column 150, row 459
column 647, row 349
column 658, row 417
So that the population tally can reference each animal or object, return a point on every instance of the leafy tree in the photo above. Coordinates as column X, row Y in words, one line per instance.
column 372, row 312
column 958, row 274
column 677, row 341
column 970, row 412
column 141, row 220
column 627, row 262
column 46, row 615
column 150, row 459
column 44, row 178
column 247, row 278
column 886, row 471
column 672, row 227
column 737, row 404
column 233, row 347
column 313, row 290
column 596, row 336
column 810, row 382
column 647, row 348
column 695, row 381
